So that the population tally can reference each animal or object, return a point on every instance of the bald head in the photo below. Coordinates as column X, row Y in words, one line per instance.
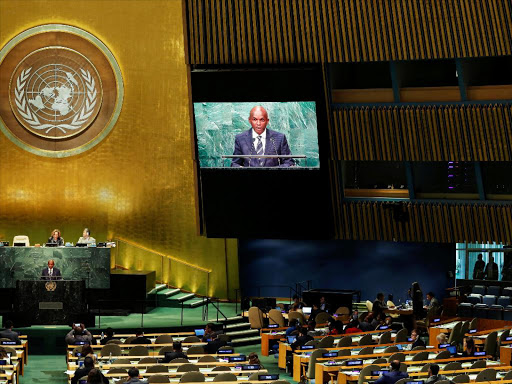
column 258, row 118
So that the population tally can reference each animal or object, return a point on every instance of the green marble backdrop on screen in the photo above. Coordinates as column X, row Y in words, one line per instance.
column 217, row 124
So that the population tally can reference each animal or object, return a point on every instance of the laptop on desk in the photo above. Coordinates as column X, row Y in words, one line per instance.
column 307, row 310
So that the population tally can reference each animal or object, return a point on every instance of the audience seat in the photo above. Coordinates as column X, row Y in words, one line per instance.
column 473, row 323
column 207, row 359
column 494, row 290
column 474, row 298
column 453, row 366
column 222, row 368
column 478, row 364
column 345, row 341
column 192, row 377
column 276, row 317
column 507, row 313
column 317, row 354
column 489, row 300
column 111, row 349
column 164, row 339
column 366, row 371
column 148, row 360
column 503, row 301
column 385, row 338
column 322, row 318
column 365, row 351
column 326, row 342
column 491, row 343
column 479, row 289
column 507, row 291
column 401, row 336
column 157, row 369
column 191, row 339
column 465, row 310
column 139, row 350
column 256, row 318
column 117, row 370
column 480, row 310
column 159, row 379
column 495, row 312
column 195, row 350
column 391, row 349
column 188, row 367
column 488, row 374
column 461, row 379
column 366, row 339
column 228, row 376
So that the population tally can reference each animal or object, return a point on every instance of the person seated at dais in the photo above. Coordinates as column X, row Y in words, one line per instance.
column 86, row 237
column 55, row 238
column 8, row 333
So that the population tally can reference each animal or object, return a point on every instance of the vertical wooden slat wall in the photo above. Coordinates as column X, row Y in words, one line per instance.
column 306, row 31
column 423, row 133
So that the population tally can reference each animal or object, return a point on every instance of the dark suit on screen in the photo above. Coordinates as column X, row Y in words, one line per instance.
column 275, row 144
column 56, row 275
column 11, row 335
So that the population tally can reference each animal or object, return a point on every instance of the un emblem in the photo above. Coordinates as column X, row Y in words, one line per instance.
column 51, row 286
column 55, row 92
column 65, row 90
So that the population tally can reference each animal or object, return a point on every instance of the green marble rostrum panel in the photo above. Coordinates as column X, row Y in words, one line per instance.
column 217, row 124
column 27, row 263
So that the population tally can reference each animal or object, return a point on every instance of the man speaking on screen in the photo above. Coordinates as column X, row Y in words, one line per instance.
column 261, row 141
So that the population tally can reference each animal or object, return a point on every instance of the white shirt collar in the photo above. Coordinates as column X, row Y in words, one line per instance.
column 263, row 135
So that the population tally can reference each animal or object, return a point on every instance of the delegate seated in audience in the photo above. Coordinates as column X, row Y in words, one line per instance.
column 84, row 371
column 393, row 375
column 295, row 308
column 434, row 376
column 78, row 335
column 433, row 303
column 8, row 333
column 302, row 339
column 324, row 305
column 312, row 329
column 109, row 335
column 315, row 310
column 214, row 345
column 442, row 338
column 378, row 306
column 296, row 300
column 369, row 323
column 255, row 360
column 209, row 332
column 177, row 353
column 292, row 328
column 353, row 327
column 140, row 338
column 415, row 338
column 468, row 347
column 335, row 328
column 95, row 377
column 133, row 374
column 87, row 351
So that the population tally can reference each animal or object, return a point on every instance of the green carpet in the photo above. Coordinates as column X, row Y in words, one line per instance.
column 45, row 370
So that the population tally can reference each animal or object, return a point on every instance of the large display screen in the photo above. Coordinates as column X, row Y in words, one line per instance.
column 257, row 134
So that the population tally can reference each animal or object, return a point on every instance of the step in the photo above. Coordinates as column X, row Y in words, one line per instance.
column 197, row 303
column 234, row 319
column 237, row 325
column 158, row 288
column 246, row 341
column 243, row 333
column 169, row 292
column 182, row 297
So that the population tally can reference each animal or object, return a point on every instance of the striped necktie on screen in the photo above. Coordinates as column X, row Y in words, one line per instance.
column 259, row 149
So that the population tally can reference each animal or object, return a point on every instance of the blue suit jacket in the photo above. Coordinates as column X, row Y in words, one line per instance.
column 391, row 377
column 275, row 144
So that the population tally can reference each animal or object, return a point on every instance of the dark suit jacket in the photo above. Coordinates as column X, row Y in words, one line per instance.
column 11, row 335
column 300, row 341
column 56, row 274
column 81, row 372
column 275, row 144
column 141, row 340
column 418, row 343
column 171, row 356
column 213, row 346
column 391, row 377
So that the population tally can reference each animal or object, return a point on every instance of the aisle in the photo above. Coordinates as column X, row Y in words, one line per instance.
column 45, row 370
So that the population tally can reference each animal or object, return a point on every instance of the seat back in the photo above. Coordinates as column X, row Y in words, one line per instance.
column 111, row 349
column 473, row 323
column 397, row 356
column 495, row 312
column 322, row 318
column 276, row 317
column 21, row 239
column 195, row 350
column 401, row 336
column 326, row 342
column 207, row 359
column 403, row 381
column 474, row 298
column 507, row 291
column 391, row 349
column 191, row 339
column 443, row 355
column 421, row 356
column 344, row 352
column 148, row 360
column 491, row 343
column 221, row 368
column 164, row 339
column 453, row 366
column 227, row 376
column 419, row 348
column 479, row 289
column 380, row 360
column 369, row 305
column 255, row 318
column 129, row 340
column 345, row 341
column 343, row 311
column 114, row 341
column 425, row 368
column 299, row 316
column 464, row 329
column 487, row 374
column 317, row 353
column 192, row 377
column 503, row 301
column 478, row 364
column 138, row 350
column 455, row 335
column 460, row 379
column 117, row 370
column 157, row 369
column 385, row 338
column 503, row 337
column 366, row 351
column 366, row 371
column 489, row 300
column 508, row 376
column 366, row 340
column 494, row 290
column 165, row 349
column 465, row 310
column 188, row 367
column 179, row 360
column 480, row 310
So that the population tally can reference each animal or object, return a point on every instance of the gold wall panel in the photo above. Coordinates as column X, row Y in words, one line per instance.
column 139, row 182
column 428, row 222
column 305, row 31
column 424, row 133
